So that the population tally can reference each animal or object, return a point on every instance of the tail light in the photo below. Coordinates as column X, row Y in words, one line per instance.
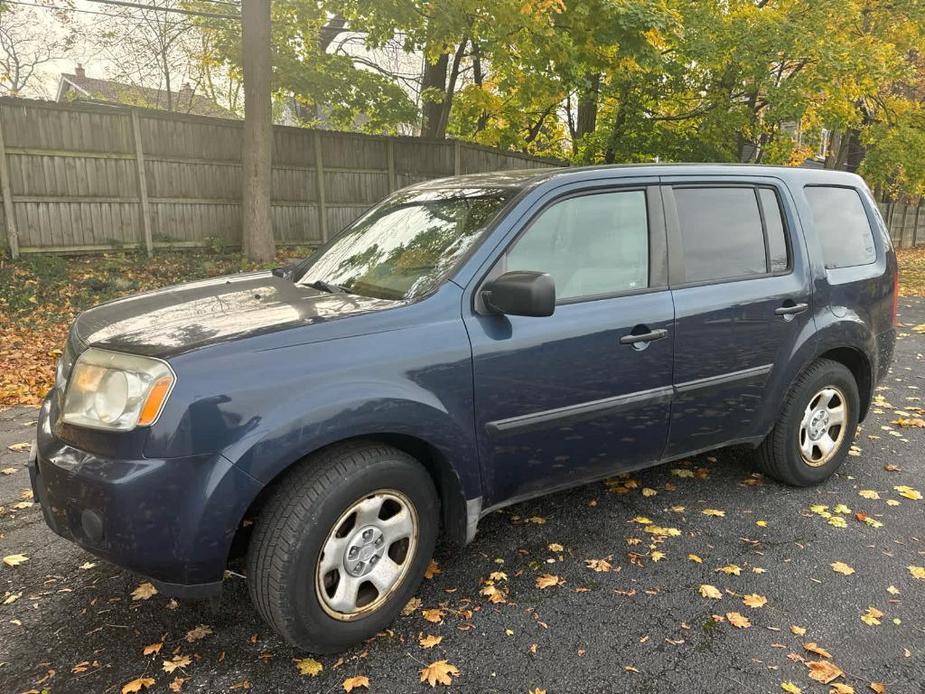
column 895, row 296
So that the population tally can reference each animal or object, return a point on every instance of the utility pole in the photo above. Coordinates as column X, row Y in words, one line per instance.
column 256, row 214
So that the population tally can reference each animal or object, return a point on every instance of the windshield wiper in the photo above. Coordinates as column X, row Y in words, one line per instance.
column 328, row 287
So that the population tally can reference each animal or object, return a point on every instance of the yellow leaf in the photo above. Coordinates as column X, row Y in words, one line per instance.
column 648, row 491
column 737, row 620
column 680, row 472
column 178, row 661
column 656, row 555
column 144, row 591
column 755, row 600
column 823, row 671
column 538, row 520
column 908, row 492
column 913, row 422
column 917, row 572
column 668, row 532
column 798, row 631
column 878, row 687
column 642, row 520
column 731, row 569
column 137, row 685
column 841, row 688
column 434, row 616
column 308, row 666
column 708, row 591
column 695, row 558
column 87, row 565
column 439, row 672
column 714, row 512
column 813, row 647
column 547, row 581
column 790, row 688
column 15, row 559
column 352, row 683
column 868, row 494
column 761, row 523
column 841, row 568
column 153, row 649
column 430, row 641
column 411, row 607
column 495, row 595
column 497, row 576
column 556, row 547
column 872, row 616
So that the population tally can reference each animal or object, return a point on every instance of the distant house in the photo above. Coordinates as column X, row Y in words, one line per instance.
column 79, row 87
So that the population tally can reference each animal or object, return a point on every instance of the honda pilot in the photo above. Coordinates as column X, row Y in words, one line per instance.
column 467, row 344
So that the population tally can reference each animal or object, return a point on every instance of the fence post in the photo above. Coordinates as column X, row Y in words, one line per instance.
column 142, row 184
column 9, row 213
column 457, row 158
column 319, row 183
column 915, row 229
column 390, row 157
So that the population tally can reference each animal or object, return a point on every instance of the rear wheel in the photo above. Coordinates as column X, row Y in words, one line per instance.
column 343, row 545
column 815, row 428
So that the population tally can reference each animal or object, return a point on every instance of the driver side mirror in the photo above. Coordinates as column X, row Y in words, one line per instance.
column 521, row 293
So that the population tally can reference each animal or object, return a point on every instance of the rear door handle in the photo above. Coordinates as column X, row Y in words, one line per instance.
column 791, row 310
column 651, row 336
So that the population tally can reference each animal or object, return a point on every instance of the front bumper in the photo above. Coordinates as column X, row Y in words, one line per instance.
column 171, row 520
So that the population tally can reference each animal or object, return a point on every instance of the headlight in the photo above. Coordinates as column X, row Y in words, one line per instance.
column 110, row 390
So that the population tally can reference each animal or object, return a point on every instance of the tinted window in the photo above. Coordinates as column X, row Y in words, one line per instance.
column 720, row 233
column 595, row 244
column 774, row 225
column 842, row 226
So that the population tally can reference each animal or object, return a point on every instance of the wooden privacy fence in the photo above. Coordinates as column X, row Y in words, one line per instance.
column 906, row 223
column 84, row 177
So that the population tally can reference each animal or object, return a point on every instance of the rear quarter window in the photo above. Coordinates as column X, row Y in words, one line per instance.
column 842, row 226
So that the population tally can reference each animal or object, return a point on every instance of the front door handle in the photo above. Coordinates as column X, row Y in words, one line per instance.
column 790, row 309
column 650, row 336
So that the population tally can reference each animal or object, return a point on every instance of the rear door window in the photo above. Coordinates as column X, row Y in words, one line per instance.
column 842, row 226
column 721, row 233
column 774, row 225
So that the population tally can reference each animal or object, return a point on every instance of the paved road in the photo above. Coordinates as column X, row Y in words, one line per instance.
column 642, row 627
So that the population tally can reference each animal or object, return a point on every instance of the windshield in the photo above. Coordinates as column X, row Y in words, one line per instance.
column 404, row 247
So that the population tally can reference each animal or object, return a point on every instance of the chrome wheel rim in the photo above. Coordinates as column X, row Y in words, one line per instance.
column 822, row 429
column 366, row 555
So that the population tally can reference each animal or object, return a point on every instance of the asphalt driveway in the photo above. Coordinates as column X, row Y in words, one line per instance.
column 69, row 623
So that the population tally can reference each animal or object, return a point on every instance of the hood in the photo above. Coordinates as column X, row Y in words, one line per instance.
column 187, row 316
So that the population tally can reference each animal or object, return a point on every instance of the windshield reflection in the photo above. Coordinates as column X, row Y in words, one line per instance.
column 404, row 247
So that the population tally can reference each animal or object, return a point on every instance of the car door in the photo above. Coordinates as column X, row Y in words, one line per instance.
column 742, row 292
column 572, row 396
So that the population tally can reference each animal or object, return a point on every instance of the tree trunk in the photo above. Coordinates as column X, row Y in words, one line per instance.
column 433, row 79
column 586, row 120
column 258, row 132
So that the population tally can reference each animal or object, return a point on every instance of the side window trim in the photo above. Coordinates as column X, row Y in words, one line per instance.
column 677, row 278
column 658, row 247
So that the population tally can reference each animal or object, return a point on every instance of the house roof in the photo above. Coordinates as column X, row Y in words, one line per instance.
column 83, row 88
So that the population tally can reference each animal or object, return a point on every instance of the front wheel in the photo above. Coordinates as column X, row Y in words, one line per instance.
column 815, row 428
column 342, row 546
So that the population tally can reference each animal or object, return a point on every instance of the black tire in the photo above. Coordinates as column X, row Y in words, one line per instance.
column 294, row 526
column 780, row 455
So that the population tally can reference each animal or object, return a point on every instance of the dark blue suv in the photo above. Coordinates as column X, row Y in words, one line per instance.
column 469, row 343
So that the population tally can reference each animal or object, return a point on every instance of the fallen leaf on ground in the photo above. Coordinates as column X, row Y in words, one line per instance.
column 823, row 671
column 308, row 666
column 868, row 494
column 872, row 616
column 755, row 600
column 908, row 492
column 24, row 446
column 714, row 512
column 790, row 688
column 599, row 565
column 841, row 567
column 917, row 572
column 841, row 688
column 432, row 570
column 144, row 591
column 198, row 633
column 178, row 661
column 739, row 621
column 430, row 641
column 153, row 649
column 411, row 607
column 439, row 672
column 813, row 647
column 878, row 687
column 708, row 591
column 352, row 683
column 547, row 581
column 798, row 631
column 15, row 559
column 8, row 471
column 730, row 569
column 434, row 616
column 695, row 558
column 137, row 685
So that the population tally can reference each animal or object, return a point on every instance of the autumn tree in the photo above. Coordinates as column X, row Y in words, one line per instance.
column 24, row 51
